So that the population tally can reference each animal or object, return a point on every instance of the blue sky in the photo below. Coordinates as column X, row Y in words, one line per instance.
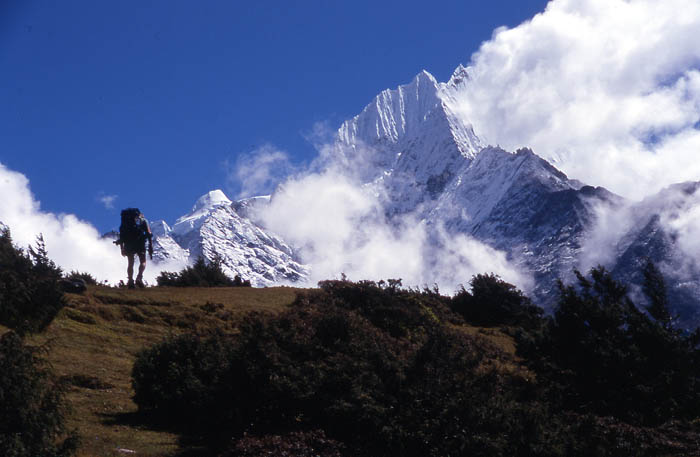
column 146, row 101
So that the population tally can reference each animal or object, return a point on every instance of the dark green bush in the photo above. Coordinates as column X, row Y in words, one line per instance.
column 294, row 444
column 201, row 274
column 385, row 371
column 182, row 377
column 605, row 356
column 378, row 368
column 400, row 313
column 31, row 404
column 87, row 277
column 30, row 295
column 492, row 302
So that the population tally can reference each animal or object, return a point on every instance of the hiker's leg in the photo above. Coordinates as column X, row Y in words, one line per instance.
column 142, row 266
column 130, row 267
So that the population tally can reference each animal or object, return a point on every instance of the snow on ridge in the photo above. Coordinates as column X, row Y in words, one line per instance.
column 459, row 77
column 201, row 209
column 210, row 199
column 215, row 229
column 160, row 228
column 394, row 113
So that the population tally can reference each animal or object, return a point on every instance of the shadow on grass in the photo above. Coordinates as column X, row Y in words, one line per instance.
column 192, row 443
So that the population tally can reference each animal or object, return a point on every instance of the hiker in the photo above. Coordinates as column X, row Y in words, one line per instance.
column 133, row 234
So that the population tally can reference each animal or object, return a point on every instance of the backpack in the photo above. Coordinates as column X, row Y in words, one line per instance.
column 131, row 230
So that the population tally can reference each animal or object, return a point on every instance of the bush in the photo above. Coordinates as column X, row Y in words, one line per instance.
column 201, row 274
column 384, row 371
column 605, row 356
column 295, row 444
column 84, row 276
column 493, row 302
column 379, row 369
column 31, row 404
column 30, row 294
column 182, row 376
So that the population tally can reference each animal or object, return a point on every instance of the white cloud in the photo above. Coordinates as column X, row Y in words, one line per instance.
column 340, row 227
column 612, row 223
column 71, row 243
column 608, row 89
column 676, row 209
column 107, row 200
column 258, row 172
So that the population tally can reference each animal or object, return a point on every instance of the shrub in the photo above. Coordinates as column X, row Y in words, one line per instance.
column 31, row 404
column 30, row 295
column 182, row 377
column 294, row 444
column 605, row 356
column 379, row 369
column 86, row 277
column 201, row 274
column 493, row 302
column 401, row 313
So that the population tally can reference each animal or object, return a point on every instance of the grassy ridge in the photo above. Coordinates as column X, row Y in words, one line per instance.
column 94, row 340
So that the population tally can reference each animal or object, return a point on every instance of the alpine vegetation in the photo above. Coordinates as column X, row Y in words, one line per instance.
column 373, row 369
column 30, row 293
column 32, row 404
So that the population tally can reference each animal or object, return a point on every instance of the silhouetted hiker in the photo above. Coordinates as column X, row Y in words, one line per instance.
column 133, row 234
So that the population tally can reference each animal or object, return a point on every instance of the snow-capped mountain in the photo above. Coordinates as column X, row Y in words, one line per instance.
column 214, row 229
column 426, row 160
column 409, row 142
column 410, row 147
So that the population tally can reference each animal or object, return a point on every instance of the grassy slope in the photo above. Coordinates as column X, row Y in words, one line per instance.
column 94, row 340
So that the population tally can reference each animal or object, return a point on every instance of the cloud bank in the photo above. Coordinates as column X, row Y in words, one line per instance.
column 609, row 90
column 71, row 243
column 340, row 227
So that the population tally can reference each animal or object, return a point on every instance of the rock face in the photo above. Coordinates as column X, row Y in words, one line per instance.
column 412, row 149
column 520, row 204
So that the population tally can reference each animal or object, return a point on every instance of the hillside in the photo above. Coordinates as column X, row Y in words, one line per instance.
column 94, row 340
column 244, row 372
column 93, row 343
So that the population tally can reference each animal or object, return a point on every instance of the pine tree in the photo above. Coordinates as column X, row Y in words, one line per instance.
column 654, row 288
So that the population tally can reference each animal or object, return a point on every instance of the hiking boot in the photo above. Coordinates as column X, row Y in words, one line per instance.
column 139, row 283
column 130, row 284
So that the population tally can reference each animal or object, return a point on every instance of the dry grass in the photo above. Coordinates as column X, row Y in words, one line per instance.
column 93, row 343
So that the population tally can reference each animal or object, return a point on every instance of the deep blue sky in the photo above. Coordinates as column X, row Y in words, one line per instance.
column 147, row 99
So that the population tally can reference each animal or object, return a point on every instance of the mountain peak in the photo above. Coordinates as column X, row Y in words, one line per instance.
column 211, row 199
column 425, row 76
column 160, row 228
column 459, row 76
